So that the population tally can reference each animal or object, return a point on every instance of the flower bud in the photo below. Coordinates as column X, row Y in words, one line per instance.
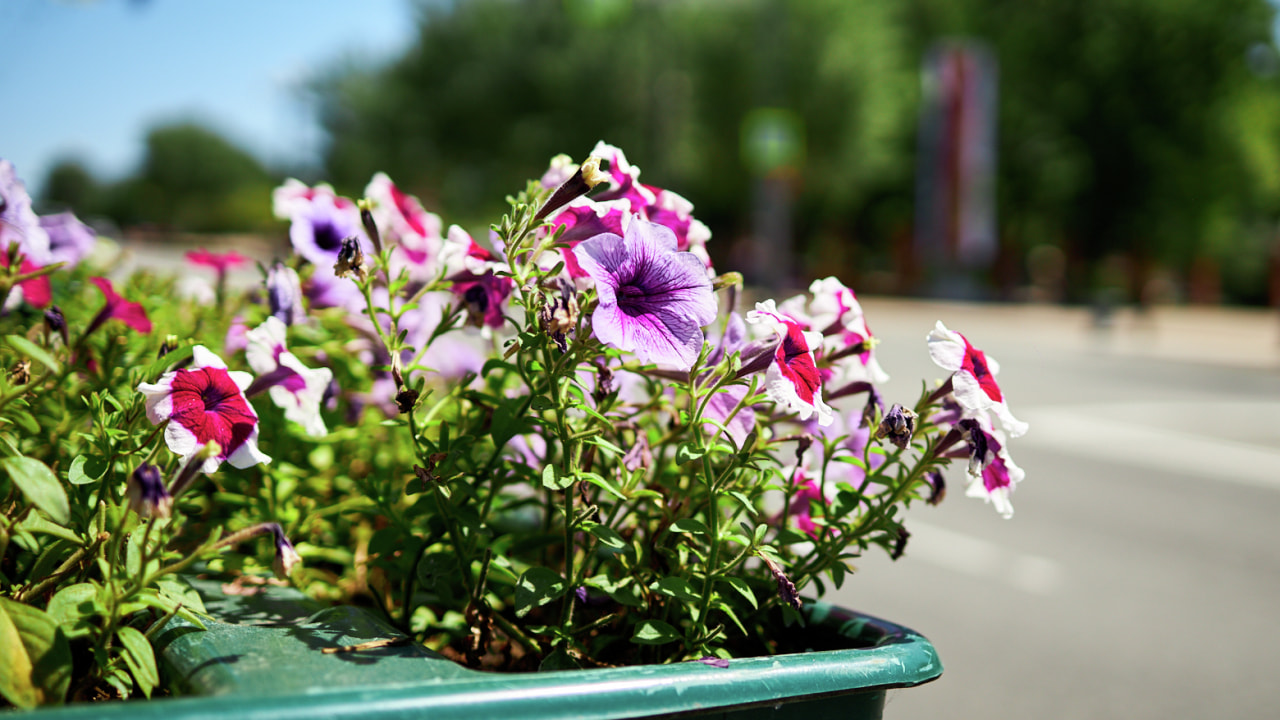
column 370, row 227
column 587, row 177
column 286, row 557
column 147, row 494
column 284, row 293
column 56, row 322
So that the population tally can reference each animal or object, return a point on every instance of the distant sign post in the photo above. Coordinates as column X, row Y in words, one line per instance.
column 772, row 147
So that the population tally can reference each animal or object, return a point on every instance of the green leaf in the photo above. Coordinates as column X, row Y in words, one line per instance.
column 687, row 453
column 536, row 587
column 76, row 474
column 540, row 402
column 40, row 485
column 741, row 587
column 678, row 588
column 654, row 632
column 15, row 681
column 608, row 537
column 603, row 484
column 47, row 650
column 35, row 522
column 689, row 525
column 553, row 480
column 723, row 607
column 34, row 351
column 140, row 658
column 71, row 606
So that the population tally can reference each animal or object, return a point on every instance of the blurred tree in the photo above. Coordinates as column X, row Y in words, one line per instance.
column 194, row 179
column 493, row 88
column 70, row 186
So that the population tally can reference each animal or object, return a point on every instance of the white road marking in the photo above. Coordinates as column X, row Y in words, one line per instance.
column 980, row 558
column 1097, row 433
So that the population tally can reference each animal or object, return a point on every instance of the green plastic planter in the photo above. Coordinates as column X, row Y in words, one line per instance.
column 264, row 662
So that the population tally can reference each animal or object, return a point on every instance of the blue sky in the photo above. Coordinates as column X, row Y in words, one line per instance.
column 86, row 78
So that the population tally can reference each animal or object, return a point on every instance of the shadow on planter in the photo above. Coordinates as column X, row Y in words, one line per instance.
column 264, row 662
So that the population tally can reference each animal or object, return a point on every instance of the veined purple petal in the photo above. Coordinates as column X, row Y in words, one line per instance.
column 653, row 300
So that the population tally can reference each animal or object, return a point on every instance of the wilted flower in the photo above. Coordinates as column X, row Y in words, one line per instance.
column 898, row 425
column 653, row 300
column 205, row 403
column 992, row 472
column 350, row 262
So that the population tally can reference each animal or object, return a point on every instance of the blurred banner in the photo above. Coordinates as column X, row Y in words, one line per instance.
column 955, row 174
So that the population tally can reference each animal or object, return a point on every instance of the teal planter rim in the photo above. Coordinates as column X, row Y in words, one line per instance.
column 240, row 672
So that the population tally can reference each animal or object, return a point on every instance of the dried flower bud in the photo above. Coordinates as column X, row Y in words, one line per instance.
column 427, row 476
column 286, row 557
column 804, row 441
column 56, row 322
column 604, row 380
column 900, row 545
column 351, row 261
column 639, row 456
column 937, row 487
column 786, row 589
column 147, row 494
column 20, row 373
column 406, row 399
column 898, row 426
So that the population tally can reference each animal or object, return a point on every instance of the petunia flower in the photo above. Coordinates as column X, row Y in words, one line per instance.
column 973, row 377
column 205, row 403
column 483, row 296
column 19, row 224
column 70, row 240
column 220, row 262
column 653, row 300
column 319, row 221
column 654, row 204
column 117, row 308
column 726, row 400
column 294, row 387
column 36, row 292
column 413, row 233
column 792, row 380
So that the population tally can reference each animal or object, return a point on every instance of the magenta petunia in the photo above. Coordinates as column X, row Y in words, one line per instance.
column 220, row 262
column 973, row 377
column 792, row 380
column 117, row 308
column 36, row 292
column 653, row 300
column 205, row 403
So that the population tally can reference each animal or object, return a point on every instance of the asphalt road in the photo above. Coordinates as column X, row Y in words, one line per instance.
column 1140, row 574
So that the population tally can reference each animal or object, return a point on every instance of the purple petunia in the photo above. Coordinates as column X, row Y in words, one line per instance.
column 653, row 300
